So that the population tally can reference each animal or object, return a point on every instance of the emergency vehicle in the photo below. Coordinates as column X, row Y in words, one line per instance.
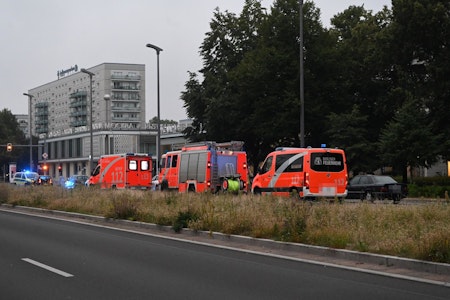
column 306, row 173
column 168, row 172
column 206, row 166
column 129, row 170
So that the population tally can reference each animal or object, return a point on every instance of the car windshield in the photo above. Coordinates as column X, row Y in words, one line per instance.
column 384, row 179
column 32, row 175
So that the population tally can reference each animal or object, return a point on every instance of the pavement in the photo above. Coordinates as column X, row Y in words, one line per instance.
column 385, row 265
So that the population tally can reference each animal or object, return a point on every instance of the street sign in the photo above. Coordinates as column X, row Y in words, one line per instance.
column 44, row 155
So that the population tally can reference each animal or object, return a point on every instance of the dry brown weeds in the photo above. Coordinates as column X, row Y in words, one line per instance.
column 414, row 231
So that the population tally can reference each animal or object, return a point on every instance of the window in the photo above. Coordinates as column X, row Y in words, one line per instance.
column 144, row 165
column 327, row 162
column 132, row 165
column 174, row 161
column 267, row 164
column 294, row 166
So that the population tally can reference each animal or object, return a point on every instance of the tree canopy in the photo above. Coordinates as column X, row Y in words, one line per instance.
column 368, row 77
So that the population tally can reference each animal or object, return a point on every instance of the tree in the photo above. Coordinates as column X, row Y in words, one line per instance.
column 420, row 54
column 10, row 132
column 350, row 132
column 407, row 140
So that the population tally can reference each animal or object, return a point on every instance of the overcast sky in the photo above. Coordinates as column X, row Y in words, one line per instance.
column 40, row 37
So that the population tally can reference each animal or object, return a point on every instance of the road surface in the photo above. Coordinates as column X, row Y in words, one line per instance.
column 42, row 258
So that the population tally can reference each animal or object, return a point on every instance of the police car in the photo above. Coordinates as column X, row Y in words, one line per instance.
column 25, row 178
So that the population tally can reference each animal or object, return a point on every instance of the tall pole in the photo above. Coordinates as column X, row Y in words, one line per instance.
column 107, row 97
column 91, row 155
column 302, row 96
column 29, row 129
column 158, row 140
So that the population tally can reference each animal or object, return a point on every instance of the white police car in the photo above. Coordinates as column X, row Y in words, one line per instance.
column 25, row 178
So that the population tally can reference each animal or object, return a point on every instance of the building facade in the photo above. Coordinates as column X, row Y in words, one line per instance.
column 60, row 114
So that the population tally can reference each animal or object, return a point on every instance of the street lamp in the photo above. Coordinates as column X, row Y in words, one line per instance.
column 158, row 140
column 107, row 97
column 91, row 156
column 29, row 129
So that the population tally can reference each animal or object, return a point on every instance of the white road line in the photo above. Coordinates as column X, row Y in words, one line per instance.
column 48, row 268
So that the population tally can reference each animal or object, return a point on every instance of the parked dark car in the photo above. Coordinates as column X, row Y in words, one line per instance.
column 75, row 180
column 45, row 180
column 372, row 187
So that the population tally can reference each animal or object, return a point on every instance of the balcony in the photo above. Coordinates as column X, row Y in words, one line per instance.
column 126, row 109
column 126, row 77
column 78, row 94
column 125, row 88
column 78, row 123
column 41, row 122
column 78, row 103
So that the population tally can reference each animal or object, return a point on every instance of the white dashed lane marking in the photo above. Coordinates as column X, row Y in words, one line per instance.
column 46, row 267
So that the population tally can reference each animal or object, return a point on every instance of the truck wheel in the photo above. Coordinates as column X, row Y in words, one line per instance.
column 164, row 185
column 224, row 185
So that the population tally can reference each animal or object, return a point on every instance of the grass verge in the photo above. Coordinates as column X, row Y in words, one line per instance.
column 412, row 231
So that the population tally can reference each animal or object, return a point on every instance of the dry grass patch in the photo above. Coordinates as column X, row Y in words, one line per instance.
column 414, row 231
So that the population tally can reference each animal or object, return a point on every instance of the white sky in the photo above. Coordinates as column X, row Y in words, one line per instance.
column 39, row 37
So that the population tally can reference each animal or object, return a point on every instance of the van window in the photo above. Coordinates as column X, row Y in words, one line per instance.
column 327, row 162
column 295, row 166
column 144, row 165
column 132, row 165
column 267, row 165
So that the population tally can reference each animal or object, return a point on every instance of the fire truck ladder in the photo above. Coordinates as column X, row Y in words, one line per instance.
column 214, row 170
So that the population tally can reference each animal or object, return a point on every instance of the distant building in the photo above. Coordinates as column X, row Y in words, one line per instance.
column 60, row 116
column 23, row 124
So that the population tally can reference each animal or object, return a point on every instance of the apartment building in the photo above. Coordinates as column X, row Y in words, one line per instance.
column 60, row 116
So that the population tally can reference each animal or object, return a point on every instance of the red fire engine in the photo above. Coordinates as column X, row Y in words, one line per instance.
column 205, row 166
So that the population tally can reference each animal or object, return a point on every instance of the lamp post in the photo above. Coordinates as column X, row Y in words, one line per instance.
column 302, row 97
column 158, row 140
column 107, row 97
column 91, row 155
column 29, row 129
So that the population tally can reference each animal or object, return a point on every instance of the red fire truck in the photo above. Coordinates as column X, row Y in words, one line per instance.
column 168, row 173
column 206, row 166
column 129, row 170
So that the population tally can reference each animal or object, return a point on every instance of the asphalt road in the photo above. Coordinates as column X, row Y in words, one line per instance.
column 43, row 258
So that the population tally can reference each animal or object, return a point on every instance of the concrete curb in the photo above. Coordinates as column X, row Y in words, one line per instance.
column 359, row 257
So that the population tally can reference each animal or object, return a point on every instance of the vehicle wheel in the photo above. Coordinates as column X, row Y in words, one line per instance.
column 164, row 185
column 369, row 197
column 295, row 194
column 257, row 191
column 224, row 185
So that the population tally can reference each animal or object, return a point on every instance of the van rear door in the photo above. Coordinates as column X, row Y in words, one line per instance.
column 327, row 174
